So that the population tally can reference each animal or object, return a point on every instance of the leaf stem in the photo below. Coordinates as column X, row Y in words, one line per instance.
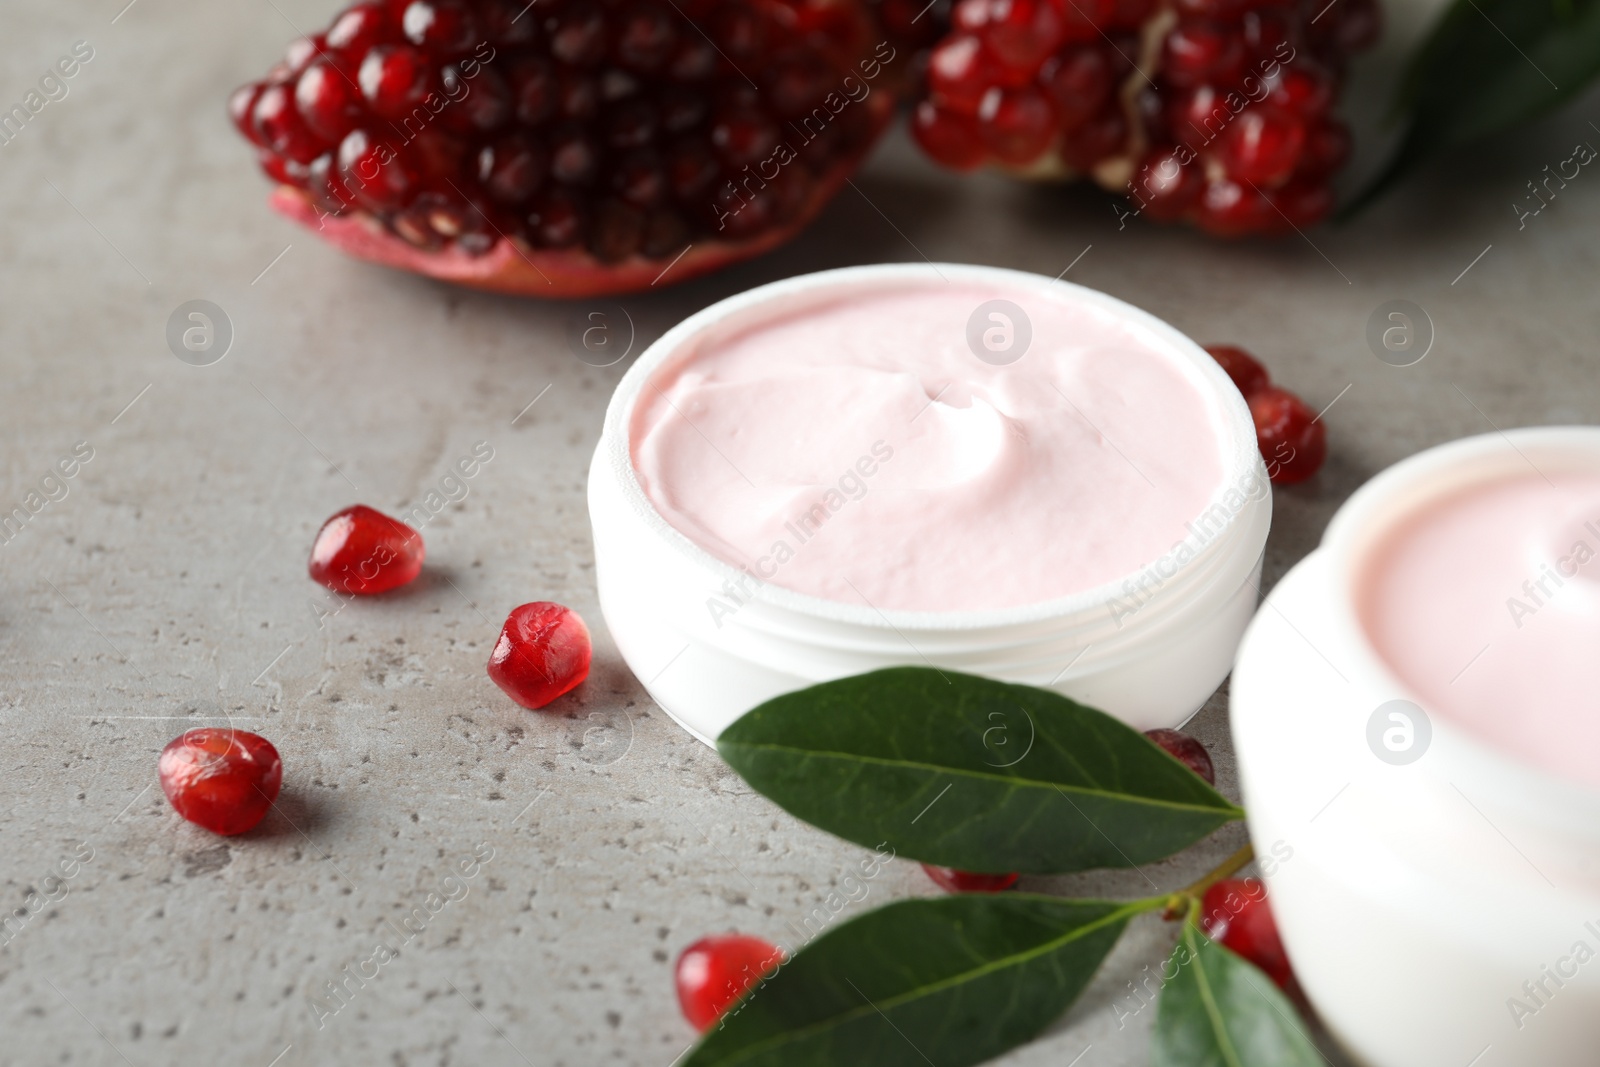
column 1179, row 904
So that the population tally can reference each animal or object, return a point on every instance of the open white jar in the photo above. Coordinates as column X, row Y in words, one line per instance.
column 1442, row 903
column 710, row 637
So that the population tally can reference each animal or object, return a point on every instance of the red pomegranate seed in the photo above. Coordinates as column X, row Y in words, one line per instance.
column 1197, row 53
column 1019, row 34
column 1167, row 185
column 1292, row 440
column 1017, row 126
column 358, row 29
column 1186, row 750
column 1301, row 91
column 512, row 168
column 953, row 881
column 959, row 74
column 241, row 111
column 1235, row 914
column 279, row 127
column 1079, row 83
column 326, row 100
column 1100, row 138
column 364, row 552
column 301, row 51
column 1262, row 146
column 440, row 26
column 714, row 972
column 1245, row 370
column 543, row 652
column 394, row 80
column 950, row 138
column 223, row 780
column 1229, row 209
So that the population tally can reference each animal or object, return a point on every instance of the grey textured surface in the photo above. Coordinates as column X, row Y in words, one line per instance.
column 167, row 589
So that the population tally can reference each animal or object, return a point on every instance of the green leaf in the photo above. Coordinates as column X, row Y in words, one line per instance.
column 1488, row 66
column 972, row 773
column 1218, row 1010
column 952, row 981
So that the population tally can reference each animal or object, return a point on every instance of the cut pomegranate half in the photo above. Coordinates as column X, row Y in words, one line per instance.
column 574, row 148
column 1215, row 112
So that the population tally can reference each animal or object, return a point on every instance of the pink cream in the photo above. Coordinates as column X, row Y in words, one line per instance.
column 1487, row 604
column 856, row 449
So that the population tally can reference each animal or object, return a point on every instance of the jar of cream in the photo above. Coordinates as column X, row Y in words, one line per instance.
column 1416, row 717
column 966, row 467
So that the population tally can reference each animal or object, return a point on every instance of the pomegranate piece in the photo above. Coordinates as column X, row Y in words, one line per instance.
column 1186, row 750
column 543, row 652
column 1235, row 914
column 1232, row 135
column 1292, row 439
column 223, row 780
column 364, row 552
column 1245, row 370
column 539, row 150
column 715, row 972
column 953, row 881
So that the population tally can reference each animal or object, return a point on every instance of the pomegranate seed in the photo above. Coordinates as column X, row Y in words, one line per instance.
column 959, row 74
column 949, row 138
column 327, row 101
column 1301, row 91
column 1101, row 137
column 241, row 111
column 301, row 50
column 714, row 972
column 579, row 37
column 543, row 652
column 1262, row 146
column 1166, row 185
column 953, row 881
column 1197, row 53
column 1186, row 750
column 365, row 552
column 1079, row 84
column 1229, row 209
column 440, row 26
column 645, row 40
column 1235, row 914
column 279, row 127
column 1016, row 126
column 1246, row 371
column 394, row 80
column 1292, row 441
column 557, row 220
column 1019, row 34
column 223, row 780
column 358, row 29
column 512, row 168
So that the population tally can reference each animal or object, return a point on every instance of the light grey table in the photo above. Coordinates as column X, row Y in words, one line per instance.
column 167, row 589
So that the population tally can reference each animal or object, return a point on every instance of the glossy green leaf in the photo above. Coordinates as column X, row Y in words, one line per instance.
column 1218, row 1010
column 1488, row 66
column 951, row 981
column 972, row 773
